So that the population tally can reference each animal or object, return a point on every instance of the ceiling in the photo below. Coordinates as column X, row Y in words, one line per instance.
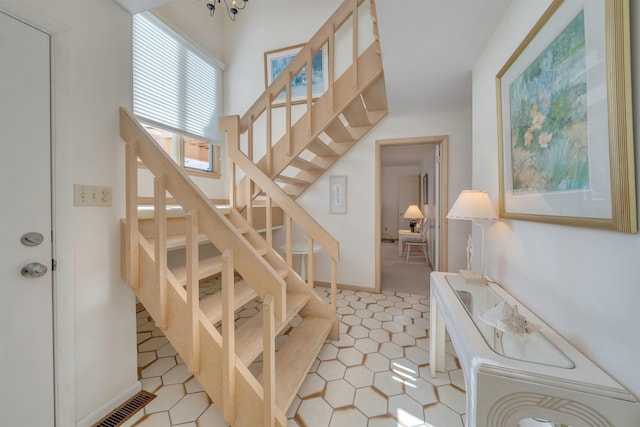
column 433, row 44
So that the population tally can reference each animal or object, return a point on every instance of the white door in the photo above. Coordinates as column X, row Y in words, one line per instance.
column 26, row 313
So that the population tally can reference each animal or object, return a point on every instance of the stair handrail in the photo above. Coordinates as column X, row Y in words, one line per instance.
column 230, row 124
column 249, row 263
column 320, row 38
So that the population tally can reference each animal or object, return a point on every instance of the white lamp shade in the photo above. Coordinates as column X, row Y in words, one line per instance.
column 413, row 212
column 473, row 205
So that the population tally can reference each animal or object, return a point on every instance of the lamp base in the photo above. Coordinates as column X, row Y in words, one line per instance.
column 471, row 276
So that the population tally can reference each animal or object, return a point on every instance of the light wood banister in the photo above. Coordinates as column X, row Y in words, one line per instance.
column 308, row 224
column 249, row 263
column 314, row 44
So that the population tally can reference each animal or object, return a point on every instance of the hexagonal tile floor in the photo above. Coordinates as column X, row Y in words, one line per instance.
column 377, row 374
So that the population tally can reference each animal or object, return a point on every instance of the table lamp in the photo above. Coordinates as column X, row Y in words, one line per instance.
column 473, row 205
column 413, row 214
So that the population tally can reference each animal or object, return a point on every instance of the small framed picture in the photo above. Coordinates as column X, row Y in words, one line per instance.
column 338, row 188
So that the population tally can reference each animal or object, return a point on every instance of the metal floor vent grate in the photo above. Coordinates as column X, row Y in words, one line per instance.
column 126, row 410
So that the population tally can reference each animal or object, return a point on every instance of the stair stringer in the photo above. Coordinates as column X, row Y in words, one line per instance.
column 329, row 106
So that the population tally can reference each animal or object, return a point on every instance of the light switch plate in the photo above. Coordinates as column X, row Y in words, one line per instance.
column 91, row 195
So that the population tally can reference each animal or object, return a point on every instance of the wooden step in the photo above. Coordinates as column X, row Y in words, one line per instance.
column 249, row 334
column 295, row 357
column 211, row 306
column 356, row 114
column 179, row 241
column 375, row 96
column 206, row 267
column 338, row 132
column 305, row 165
column 291, row 180
column 321, row 149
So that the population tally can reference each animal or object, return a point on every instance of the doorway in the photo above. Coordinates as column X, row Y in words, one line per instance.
column 410, row 154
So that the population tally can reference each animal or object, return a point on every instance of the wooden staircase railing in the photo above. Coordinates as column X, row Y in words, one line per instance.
column 326, row 128
column 219, row 360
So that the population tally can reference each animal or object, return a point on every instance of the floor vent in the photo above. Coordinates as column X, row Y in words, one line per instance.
column 126, row 410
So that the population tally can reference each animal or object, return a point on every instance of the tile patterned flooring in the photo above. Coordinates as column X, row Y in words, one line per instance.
column 376, row 375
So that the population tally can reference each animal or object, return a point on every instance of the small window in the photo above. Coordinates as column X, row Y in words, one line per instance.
column 194, row 155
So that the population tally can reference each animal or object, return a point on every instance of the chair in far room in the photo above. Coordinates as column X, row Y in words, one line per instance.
column 419, row 242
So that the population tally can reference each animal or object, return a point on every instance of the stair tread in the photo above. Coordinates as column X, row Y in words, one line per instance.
column 206, row 267
column 291, row 180
column 356, row 114
column 249, row 334
column 211, row 306
column 179, row 241
column 338, row 132
column 321, row 149
column 295, row 357
column 305, row 165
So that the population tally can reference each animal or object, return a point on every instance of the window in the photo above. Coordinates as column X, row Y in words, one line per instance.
column 177, row 94
column 192, row 154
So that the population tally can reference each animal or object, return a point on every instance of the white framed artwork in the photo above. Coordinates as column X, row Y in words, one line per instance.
column 338, row 189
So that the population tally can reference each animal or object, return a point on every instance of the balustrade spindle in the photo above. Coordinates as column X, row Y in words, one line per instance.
column 269, row 360
column 160, row 245
column 193, row 288
column 228, row 336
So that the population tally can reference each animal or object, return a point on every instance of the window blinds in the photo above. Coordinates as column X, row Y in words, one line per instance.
column 174, row 84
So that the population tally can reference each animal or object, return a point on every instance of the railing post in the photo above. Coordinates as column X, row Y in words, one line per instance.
column 249, row 192
column 310, row 263
column 193, row 289
column 334, row 267
column 288, row 238
column 268, row 360
column 131, row 221
column 160, row 245
column 269, row 137
column 228, row 337
column 288, row 107
column 355, row 44
column 330, row 65
column 309, row 93
column 269, row 221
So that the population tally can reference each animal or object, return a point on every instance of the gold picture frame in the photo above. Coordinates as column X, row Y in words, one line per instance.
column 565, row 124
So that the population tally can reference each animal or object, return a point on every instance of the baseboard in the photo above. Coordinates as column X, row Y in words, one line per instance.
column 346, row 287
column 105, row 409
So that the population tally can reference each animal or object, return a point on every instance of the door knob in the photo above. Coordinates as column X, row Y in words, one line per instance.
column 34, row 269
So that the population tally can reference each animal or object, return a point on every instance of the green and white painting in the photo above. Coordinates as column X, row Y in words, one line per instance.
column 549, row 121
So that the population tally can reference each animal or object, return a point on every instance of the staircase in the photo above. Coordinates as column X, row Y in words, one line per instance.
column 218, row 350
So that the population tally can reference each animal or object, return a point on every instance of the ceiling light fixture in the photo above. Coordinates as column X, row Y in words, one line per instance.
column 232, row 8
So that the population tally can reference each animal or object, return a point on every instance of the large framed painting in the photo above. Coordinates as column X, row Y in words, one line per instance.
column 565, row 121
column 276, row 61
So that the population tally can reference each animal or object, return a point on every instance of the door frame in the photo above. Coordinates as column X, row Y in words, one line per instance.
column 61, row 205
column 443, row 237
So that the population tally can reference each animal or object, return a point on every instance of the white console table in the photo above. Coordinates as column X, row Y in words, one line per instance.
column 510, row 378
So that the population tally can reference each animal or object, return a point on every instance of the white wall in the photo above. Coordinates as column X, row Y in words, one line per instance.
column 355, row 231
column 95, row 310
column 584, row 283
